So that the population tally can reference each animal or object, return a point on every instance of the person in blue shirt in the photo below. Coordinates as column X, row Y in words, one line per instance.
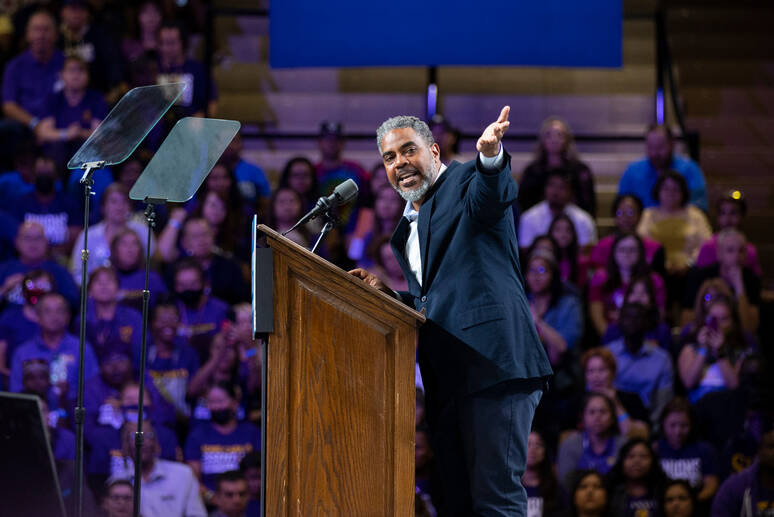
column 640, row 176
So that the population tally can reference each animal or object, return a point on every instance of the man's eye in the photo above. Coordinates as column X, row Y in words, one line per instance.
column 411, row 150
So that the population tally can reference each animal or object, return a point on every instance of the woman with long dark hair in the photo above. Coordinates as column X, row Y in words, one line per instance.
column 588, row 496
column 544, row 497
column 635, row 481
column 573, row 264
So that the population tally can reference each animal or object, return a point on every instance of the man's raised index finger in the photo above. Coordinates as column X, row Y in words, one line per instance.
column 504, row 114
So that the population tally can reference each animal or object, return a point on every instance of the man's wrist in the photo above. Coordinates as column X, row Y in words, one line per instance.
column 495, row 162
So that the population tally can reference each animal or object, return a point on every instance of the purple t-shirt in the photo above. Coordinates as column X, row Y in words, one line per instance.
column 28, row 82
column 200, row 325
column 646, row 506
column 15, row 328
column 220, row 453
column 63, row 361
column 602, row 463
column 63, row 444
column 92, row 106
column 55, row 216
column 692, row 462
column 171, row 375
column 122, row 334
column 131, row 284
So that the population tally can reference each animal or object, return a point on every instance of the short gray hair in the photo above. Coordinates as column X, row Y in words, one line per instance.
column 401, row 122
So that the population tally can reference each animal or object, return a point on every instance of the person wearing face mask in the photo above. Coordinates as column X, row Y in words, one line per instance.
column 54, row 209
column 169, row 488
column 201, row 314
column 219, row 445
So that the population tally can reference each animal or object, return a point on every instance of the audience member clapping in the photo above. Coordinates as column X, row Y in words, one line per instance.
column 626, row 212
column 556, row 150
column 730, row 211
column 640, row 176
column 677, row 225
column 608, row 286
column 557, row 200
column 682, row 455
column 636, row 481
column 596, row 446
column 710, row 359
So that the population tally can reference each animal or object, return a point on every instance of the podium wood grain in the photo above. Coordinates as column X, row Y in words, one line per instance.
column 340, row 393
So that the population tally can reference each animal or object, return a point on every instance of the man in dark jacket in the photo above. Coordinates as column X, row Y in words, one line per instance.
column 750, row 493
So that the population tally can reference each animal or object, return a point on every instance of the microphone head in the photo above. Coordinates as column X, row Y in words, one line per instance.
column 345, row 191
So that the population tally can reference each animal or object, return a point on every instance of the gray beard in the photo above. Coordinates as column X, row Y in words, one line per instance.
column 418, row 194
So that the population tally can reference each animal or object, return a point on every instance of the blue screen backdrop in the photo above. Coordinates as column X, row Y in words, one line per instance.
column 342, row 33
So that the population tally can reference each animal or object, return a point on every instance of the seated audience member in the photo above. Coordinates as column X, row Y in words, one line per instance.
column 447, row 138
column 223, row 276
column 109, row 325
column 299, row 174
column 201, row 314
column 745, row 284
column 641, row 290
column 678, row 499
column 385, row 265
column 55, row 210
column 333, row 170
column 36, row 380
column 636, row 481
column 18, row 323
column 32, row 251
column 723, row 415
column 174, row 67
column 596, row 446
column 251, row 180
column 169, row 488
column 682, row 455
column 640, row 176
column 231, row 495
column 250, row 358
column 222, row 180
column 388, row 209
column 750, row 492
column 730, row 211
column 556, row 311
column 119, row 498
column 19, row 179
column 588, row 495
column 128, row 259
column 544, row 496
column 679, row 226
column 425, row 478
column 607, row 288
column 116, row 211
column 557, row 200
column 710, row 359
column 145, row 40
column 643, row 367
column 62, row 439
column 573, row 263
column 250, row 466
column 556, row 150
column 219, row 445
column 627, row 211
column 227, row 225
column 172, row 363
column 696, row 317
column 104, row 452
column 599, row 369
column 32, row 75
column 55, row 345
column 71, row 115
column 92, row 44
column 284, row 212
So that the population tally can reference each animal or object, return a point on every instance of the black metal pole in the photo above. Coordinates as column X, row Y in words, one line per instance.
column 150, row 215
column 78, row 413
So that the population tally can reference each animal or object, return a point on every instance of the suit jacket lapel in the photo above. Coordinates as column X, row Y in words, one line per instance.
column 423, row 227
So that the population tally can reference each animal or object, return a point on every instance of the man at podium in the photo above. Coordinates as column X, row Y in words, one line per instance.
column 482, row 363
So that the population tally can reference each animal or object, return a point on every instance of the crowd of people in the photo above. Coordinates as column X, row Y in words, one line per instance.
column 658, row 405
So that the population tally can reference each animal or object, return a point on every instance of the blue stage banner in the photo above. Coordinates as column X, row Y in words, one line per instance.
column 342, row 33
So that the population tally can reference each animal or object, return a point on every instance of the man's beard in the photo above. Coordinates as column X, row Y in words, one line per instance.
column 418, row 194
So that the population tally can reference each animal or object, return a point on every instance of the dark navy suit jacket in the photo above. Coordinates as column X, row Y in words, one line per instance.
column 479, row 331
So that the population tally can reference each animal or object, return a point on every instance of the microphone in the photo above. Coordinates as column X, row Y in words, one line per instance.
column 344, row 192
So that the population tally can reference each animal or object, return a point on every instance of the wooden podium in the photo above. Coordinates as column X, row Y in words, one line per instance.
column 338, row 413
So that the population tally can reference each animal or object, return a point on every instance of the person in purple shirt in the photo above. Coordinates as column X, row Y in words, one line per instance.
column 640, row 176
column 126, row 255
column 62, row 440
column 109, row 325
column 32, row 75
column 36, row 380
column 32, row 250
column 749, row 493
column 56, row 211
column 175, row 67
column 56, row 345
column 201, row 314
column 218, row 446
column 71, row 115
column 101, row 399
